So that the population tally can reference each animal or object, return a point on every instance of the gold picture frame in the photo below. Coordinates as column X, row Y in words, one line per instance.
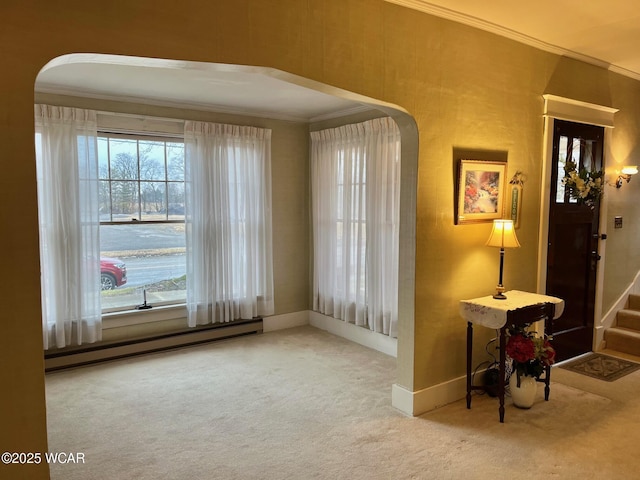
column 481, row 190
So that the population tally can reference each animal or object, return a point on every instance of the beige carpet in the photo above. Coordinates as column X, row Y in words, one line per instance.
column 303, row 404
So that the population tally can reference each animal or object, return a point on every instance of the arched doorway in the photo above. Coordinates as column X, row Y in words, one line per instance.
column 262, row 91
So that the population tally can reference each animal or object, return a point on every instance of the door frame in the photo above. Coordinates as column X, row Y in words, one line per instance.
column 562, row 108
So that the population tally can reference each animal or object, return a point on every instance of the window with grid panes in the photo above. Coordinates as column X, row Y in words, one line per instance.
column 142, row 230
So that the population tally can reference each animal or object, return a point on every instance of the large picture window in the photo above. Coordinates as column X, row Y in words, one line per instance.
column 134, row 219
column 142, row 235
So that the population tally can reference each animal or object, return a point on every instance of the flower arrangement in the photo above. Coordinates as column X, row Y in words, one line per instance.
column 583, row 185
column 530, row 353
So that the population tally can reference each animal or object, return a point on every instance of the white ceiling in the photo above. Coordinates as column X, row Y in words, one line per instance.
column 205, row 86
column 605, row 33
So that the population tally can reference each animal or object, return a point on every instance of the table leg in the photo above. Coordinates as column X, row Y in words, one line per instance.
column 547, row 379
column 501, row 372
column 469, row 355
column 548, row 324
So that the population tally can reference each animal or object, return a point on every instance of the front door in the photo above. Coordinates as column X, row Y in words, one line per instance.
column 572, row 259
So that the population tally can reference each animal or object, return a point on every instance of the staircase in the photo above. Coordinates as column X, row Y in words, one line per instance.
column 625, row 336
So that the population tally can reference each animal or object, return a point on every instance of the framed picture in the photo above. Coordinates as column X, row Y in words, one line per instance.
column 481, row 187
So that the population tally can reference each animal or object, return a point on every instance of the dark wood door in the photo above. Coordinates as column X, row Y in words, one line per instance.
column 572, row 259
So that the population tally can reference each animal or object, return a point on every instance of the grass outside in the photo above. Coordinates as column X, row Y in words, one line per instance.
column 179, row 283
column 163, row 292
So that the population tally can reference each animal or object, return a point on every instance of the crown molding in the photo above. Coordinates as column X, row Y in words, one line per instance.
column 272, row 115
column 342, row 113
column 171, row 104
column 458, row 17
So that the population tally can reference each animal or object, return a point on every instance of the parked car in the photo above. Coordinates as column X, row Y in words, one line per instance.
column 113, row 273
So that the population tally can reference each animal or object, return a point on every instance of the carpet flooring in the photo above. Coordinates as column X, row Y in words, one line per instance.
column 303, row 404
column 602, row 367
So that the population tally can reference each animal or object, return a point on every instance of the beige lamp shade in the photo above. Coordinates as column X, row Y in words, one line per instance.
column 629, row 170
column 503, row 235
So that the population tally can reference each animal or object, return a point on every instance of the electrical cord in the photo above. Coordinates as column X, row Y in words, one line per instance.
column 493, row 364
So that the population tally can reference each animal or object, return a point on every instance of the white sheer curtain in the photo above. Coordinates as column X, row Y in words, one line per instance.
column 228, row 224
column 355, row 175
column 67, row 173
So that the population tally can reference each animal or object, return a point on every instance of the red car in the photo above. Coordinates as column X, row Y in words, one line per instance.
column 113, row 273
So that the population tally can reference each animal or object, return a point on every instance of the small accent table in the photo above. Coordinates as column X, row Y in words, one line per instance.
column 519, row 308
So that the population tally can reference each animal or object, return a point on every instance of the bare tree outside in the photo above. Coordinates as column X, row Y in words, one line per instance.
column 142, row 180
column 142, row 195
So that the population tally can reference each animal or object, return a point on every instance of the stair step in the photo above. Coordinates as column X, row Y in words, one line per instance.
column 623, row 340
column 628, row 319
column 634, row 302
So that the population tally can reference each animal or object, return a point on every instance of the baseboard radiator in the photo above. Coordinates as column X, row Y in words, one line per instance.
column 103, row 352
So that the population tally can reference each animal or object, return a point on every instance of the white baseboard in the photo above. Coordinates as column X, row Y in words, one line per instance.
column 402, row 399
column 89, row 354
column 354, row 333
column 360, row 335
column 286, row 320
column 427, row 399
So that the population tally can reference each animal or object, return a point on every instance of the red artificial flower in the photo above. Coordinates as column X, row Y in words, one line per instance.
column 521, row 348
column 549, row 355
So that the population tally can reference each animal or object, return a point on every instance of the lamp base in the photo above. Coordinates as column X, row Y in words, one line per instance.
column 499, row 295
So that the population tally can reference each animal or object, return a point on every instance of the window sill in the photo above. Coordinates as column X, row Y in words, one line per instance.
column 127, row 318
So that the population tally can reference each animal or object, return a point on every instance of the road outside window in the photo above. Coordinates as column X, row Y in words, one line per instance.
column 142, row 235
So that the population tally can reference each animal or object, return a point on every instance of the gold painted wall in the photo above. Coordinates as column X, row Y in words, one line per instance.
column 468, row 90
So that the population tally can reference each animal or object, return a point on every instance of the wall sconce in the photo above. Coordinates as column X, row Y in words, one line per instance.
column 503, row 235
column 625, row 174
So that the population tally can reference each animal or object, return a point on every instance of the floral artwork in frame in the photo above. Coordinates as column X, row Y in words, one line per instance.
column 481, row 187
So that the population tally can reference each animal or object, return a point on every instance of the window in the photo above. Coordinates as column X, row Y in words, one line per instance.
column 355, row 203
column 351, row 233
column 113, row 235
column 229, row 265
column 579, row 151
column 142, row 230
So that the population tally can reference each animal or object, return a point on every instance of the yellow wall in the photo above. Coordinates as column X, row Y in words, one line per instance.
column 468, row 90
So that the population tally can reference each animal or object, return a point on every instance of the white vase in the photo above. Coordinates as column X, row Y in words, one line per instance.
column 524, row 395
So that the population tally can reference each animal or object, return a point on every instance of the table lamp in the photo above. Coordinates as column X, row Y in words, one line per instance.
column 503, row 235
